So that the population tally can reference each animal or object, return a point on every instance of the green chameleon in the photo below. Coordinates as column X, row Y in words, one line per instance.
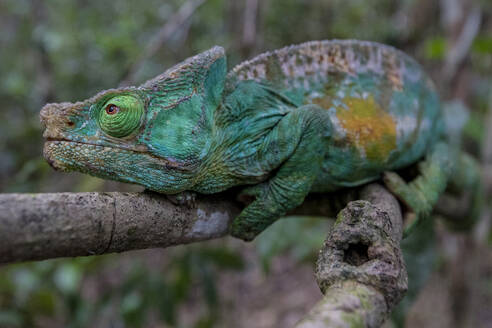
column 314, row 117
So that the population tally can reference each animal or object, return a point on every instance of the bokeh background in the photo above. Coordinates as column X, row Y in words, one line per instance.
column 58, row 50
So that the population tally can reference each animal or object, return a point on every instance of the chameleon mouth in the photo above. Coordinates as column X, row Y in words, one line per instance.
column 103, row 162
column 70, row 155
column 80, row 142
column 118, row 164
column 66, row 155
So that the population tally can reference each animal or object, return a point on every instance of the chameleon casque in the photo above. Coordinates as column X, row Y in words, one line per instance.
column 314, row 117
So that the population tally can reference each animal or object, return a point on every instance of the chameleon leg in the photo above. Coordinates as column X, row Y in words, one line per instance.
column 421, row 194
column 306, row 129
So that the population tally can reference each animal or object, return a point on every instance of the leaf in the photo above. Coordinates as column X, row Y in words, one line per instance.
column 482, row 45
column 435, row 48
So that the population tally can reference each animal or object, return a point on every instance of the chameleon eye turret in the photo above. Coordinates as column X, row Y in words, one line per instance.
column 121, row 116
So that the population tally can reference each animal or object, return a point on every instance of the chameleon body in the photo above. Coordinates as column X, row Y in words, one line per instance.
column 313, row 117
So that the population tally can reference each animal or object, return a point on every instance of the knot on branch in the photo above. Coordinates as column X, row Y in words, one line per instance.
column 362, row 247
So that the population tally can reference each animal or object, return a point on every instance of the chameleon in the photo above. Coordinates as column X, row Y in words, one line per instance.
column 313, row 117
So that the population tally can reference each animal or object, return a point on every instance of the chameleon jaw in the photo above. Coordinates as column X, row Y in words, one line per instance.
column 118, row 164
column 103, row 162
column 50, row 158
column 65, row 155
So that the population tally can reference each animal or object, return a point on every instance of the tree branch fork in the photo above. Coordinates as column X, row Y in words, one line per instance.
column 360, row 268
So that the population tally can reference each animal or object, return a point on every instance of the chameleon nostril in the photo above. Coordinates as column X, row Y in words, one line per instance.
column 70, row 123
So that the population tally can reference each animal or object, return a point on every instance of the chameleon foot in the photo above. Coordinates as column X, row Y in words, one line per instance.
column 421, row 194
column 184, row 198
column 413, row 199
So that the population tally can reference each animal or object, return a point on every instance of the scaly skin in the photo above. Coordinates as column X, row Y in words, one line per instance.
column 313, row 117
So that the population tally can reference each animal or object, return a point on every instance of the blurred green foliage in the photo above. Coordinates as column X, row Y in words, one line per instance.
column 56, row 50
column 82, row 292
column 300, row 236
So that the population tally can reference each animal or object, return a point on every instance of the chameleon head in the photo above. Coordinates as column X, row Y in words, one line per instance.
column 155, row 135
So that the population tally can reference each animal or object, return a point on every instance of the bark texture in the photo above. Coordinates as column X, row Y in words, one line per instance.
column 43, row 226
column 360, row 268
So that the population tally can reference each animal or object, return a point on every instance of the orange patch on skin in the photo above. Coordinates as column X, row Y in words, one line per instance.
column 369, row 128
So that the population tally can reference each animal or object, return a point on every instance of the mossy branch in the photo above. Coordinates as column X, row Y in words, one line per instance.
column 360, row 268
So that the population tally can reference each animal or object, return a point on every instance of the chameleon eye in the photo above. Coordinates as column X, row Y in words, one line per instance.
column 112, row 109
column 120, row 116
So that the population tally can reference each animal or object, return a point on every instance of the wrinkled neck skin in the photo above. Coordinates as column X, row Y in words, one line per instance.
column 241, row 137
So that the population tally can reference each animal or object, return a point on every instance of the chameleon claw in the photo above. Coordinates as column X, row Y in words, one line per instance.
column 184, row 198
column 249, row 194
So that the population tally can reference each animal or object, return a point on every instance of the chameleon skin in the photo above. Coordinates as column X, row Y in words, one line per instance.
column 313, row 117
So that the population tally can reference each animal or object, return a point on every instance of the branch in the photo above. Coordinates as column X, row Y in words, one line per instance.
column 44, row 226
column 462, row 31
column 483, row 229
column 360, row 268
column 249, row 28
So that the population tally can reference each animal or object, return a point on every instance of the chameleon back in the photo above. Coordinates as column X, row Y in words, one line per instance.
column 384, row 109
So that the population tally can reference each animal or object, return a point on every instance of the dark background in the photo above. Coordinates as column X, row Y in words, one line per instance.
column 58, row 50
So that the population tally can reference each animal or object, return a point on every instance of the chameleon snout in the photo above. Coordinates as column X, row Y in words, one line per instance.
column 56, row 119
column 57, row 123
